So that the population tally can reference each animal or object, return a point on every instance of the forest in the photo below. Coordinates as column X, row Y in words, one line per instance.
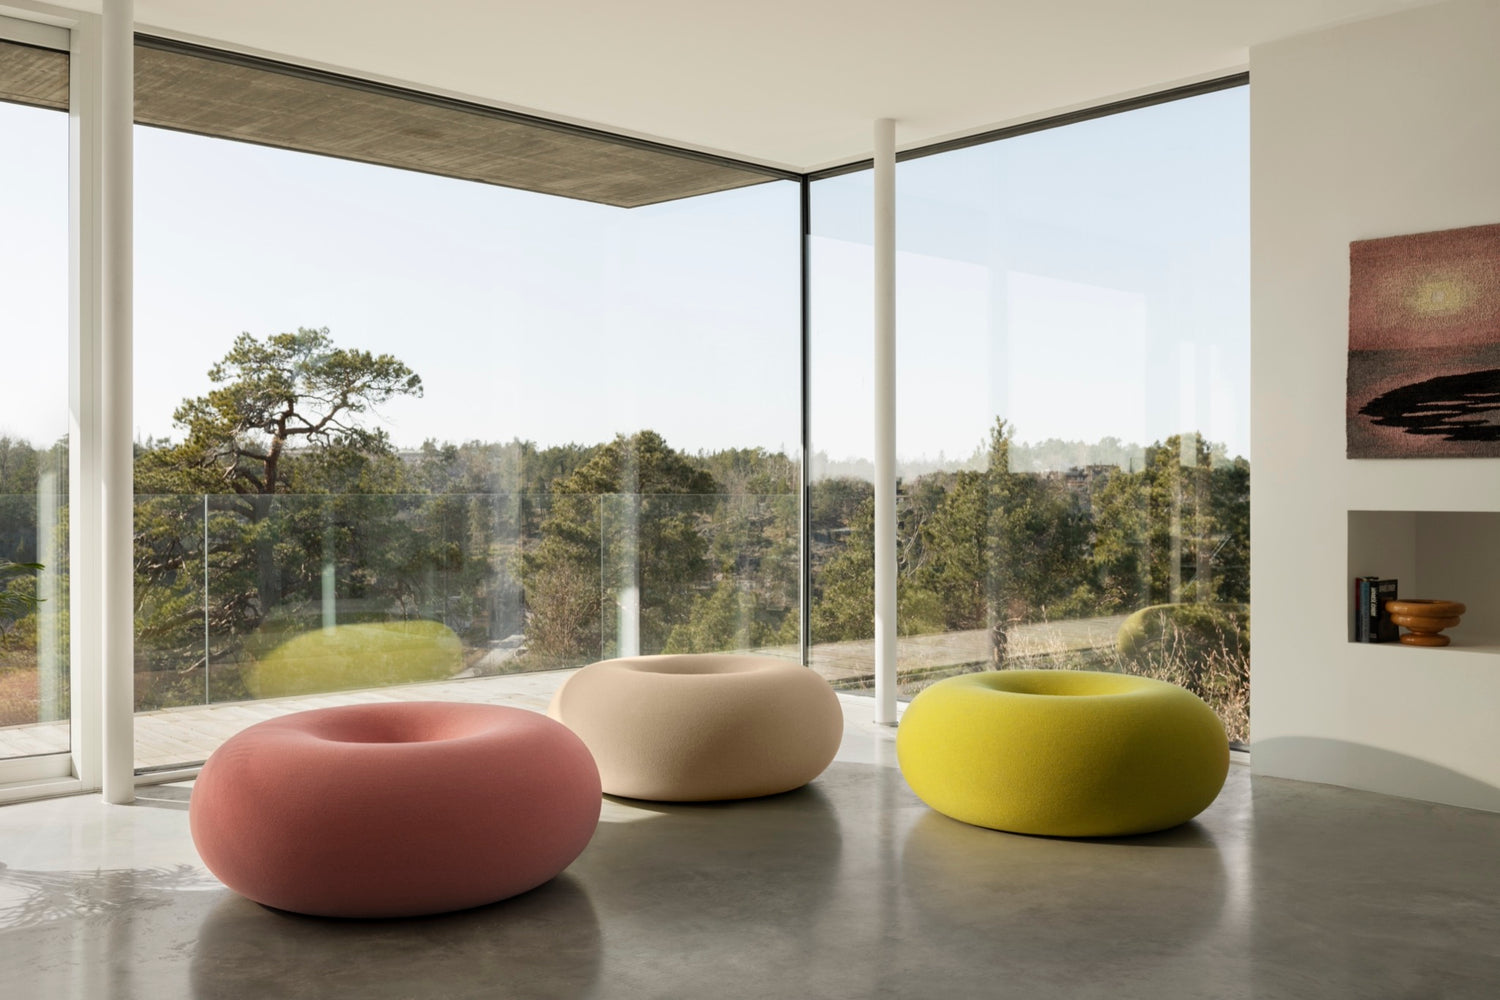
column 279, row 508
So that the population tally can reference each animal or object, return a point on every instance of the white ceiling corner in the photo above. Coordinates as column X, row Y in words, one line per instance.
column 788, row 83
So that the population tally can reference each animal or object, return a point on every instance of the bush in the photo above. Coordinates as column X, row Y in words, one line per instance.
column 1190, row 631
column 1202, row 647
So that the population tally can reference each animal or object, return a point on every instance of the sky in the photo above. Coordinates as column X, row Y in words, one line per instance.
column 526, row 316
column 33, row 273
column 1083, row 282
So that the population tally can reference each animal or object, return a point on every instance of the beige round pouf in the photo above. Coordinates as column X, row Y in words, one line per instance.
column 702, row 726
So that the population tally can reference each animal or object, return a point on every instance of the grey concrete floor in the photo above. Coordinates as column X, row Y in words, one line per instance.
column 847, row 888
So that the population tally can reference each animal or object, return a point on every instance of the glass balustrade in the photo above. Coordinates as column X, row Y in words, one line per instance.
column 242, row 598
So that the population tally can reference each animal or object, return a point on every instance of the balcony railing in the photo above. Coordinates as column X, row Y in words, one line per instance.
column 243, row 598
column 240, row 597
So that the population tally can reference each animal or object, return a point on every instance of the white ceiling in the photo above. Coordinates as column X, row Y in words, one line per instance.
column 790, row 83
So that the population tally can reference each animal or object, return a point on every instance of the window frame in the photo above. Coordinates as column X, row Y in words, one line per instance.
column 80, row 34
column 77, row 769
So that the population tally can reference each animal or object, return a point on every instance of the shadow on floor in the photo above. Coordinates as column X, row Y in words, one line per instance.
column 1358, row 765
column 544, row 944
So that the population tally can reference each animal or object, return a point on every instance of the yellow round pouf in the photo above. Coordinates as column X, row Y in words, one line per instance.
column 1063, row 753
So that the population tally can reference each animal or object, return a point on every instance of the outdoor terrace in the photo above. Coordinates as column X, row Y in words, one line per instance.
column 187, row 735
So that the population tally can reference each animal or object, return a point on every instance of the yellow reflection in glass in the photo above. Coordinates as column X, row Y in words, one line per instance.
column 368, row 654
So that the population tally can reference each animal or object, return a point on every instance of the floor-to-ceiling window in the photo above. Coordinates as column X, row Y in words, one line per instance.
column 1072, row 404
column 34, row 332
column 398, row 427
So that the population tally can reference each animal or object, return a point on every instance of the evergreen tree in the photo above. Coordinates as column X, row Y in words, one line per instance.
column 627, row 519
column 844, row 591
column 272, row 482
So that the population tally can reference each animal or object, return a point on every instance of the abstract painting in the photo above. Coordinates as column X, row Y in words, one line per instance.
column 1424, row 345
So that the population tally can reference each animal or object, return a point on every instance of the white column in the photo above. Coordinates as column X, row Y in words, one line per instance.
column 117, row 104
column 48, row 644
column 628, row 599
column 885, row 421
column 330, row 578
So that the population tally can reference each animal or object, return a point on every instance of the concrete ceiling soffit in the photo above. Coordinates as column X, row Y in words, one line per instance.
column 219, row 94
column 35, row 76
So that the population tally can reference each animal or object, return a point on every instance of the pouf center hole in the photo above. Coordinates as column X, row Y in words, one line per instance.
column 386, row 738
column 1063, row 684
column 687, row 666
column 389, row 731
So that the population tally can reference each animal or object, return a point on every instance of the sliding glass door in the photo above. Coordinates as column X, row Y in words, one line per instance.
column 35, row 685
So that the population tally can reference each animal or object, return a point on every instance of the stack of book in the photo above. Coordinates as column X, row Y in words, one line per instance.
column 1372, row 623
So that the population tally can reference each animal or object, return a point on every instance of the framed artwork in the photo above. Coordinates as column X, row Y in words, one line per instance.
column 1424, row 345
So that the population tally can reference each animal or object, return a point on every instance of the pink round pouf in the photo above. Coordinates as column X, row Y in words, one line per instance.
column 394, row 810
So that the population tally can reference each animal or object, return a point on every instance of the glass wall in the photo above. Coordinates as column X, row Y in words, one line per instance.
column 34, row 676
column 395, row 428
column 1073, row 405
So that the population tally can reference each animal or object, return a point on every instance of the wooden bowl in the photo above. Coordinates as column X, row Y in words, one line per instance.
column 1425, row 619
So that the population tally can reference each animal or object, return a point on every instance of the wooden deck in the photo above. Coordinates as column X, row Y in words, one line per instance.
column 851, row 664
column 187, row 735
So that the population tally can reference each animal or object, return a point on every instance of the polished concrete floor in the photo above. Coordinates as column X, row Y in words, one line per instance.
column 849, row 888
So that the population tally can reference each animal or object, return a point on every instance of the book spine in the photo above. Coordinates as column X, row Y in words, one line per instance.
column 1362, row 611
column 1355, row 621
column 1382, row 628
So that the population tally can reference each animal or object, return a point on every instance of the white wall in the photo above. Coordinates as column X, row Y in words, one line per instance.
column 1376, row 128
